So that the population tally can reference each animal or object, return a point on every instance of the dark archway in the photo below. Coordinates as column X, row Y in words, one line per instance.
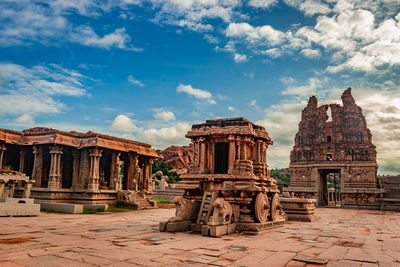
column 221, row 151
column 329, row 180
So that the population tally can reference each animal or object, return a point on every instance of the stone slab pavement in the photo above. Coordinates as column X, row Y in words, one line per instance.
column 340, row 237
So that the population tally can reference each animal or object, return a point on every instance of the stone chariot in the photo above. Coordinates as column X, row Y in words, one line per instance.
column 228, row 187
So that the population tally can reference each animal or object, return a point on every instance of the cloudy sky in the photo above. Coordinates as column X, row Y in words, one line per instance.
column 149, row 69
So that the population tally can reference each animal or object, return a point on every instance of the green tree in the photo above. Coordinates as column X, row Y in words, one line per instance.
column 161, row 166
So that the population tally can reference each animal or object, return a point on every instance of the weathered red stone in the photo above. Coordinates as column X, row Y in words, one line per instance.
column 341, row 146
column 178, row 157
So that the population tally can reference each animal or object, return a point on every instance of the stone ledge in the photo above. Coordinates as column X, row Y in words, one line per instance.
column 17, row 200
column 95, row 207
column 61, row 207
column 297, row 200
column 19, row 209
column 258, row 227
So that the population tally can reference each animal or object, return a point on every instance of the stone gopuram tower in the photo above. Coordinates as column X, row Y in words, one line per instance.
column 228, row 186
column 333, row 159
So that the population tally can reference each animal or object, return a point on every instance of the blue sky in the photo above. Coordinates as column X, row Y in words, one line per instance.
column 148, row 69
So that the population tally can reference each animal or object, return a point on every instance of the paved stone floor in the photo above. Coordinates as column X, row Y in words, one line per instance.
column 341, row 237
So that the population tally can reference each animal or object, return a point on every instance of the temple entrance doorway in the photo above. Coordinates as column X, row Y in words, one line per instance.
column 221, row 151
column 329, row 188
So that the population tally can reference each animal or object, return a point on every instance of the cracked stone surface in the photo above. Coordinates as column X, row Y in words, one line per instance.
column 341, row 237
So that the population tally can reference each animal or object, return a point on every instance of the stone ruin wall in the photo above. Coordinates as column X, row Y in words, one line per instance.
column 342, row 142
column 346, row 137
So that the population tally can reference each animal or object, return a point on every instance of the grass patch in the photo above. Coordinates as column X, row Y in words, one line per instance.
column 120, row 209
column 89, row 211
column 161, row 201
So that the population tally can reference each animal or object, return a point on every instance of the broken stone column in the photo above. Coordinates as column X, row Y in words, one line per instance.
column 94, row 171
column 55, row 167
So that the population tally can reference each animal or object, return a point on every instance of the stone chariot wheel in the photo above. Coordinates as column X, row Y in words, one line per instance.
column 262, row 207
column 276, row 208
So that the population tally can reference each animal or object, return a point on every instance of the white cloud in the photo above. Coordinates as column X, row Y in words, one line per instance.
column 132, row 80
column 197, row 93
column 253, row 103
column 305, row 90
column 123, row 123
column 364, row 43
column 310, row 53
column 192, row 14
column 211, row 39
column 25, row 120
column 163, row 115
column 287, row 80
column 240, row 58
column 262, row 3
column 231, row 108
column 312, row 7
column 25, row 22
column 119, row 38
column 165, row 137
column 273, row 52
column 255, row 34
column 32, row 90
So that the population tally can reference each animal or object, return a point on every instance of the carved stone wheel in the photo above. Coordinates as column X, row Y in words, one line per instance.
column 276, row 208
column 262, row 207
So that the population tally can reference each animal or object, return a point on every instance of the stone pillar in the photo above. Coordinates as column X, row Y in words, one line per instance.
column 232, row 153
column 75, row 172
column 12, row 184
column 147, row 177
column 238, row 150
column 38, row 166
column 3, row 148
column 55, row 167
column 202, row 154
column 35, row 162
column 27, row 189
column 94, row 171
column 2, row 185
column 131, row 171
column 210, row 156
column 22, row 156
column 196, row 152
column 244, row 151
column 264, row 153
column 114, row 174
column 259, row 144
